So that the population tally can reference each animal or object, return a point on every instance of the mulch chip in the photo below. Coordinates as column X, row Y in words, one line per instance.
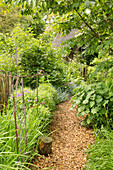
column 70, row 140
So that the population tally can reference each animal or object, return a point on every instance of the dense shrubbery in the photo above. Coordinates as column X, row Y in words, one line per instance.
column 40, row 57
column 10, row 18
column 95, row 102
column 46, row 95
column 32, row 55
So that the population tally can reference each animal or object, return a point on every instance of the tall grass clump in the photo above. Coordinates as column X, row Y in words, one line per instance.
column 36, row 125
column 100, row 154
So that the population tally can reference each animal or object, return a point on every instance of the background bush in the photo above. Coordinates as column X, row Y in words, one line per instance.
column 47, row 94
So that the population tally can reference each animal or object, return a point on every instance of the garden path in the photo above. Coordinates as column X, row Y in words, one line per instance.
column 70, row 140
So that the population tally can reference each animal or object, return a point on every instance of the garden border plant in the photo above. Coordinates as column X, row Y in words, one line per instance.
column 94, row 101
column 36, row 125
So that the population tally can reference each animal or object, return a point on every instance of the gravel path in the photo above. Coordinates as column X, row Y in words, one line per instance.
column 70, row 140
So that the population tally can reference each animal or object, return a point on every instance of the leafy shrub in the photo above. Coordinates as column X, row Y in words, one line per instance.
column 100, row 154
column 41, row 56
column 33, row 55
column 38, row 58
column 95, row 103
column 47, row 95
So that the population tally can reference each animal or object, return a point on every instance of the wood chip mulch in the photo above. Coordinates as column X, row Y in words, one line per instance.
column 70, row 140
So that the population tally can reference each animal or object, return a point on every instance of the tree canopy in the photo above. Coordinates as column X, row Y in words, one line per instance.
column 93, row 18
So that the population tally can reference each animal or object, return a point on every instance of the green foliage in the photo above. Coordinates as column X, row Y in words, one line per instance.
column 10, row 18
column 42, row 57
column 94, row 101
column 8, row 44
column 101, row 71
column 100, row 154
column 92, row 18
column 32, row 55
column 47, row 95
column 36, row 124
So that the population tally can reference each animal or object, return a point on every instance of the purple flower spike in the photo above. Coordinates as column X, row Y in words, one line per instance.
column 27, row 91
column 18, row 95
column 28, row 100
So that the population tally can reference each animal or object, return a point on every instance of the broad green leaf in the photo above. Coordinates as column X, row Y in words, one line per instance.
column 89, row 94
column 92, row 103
column 111, row 99
column 103, row 111
column 99, row 99
column 77, row 101
column 83, row 113
column 81, row 108
column 88, row 121
column 83, row 123
column 93, row 97
column 105, row 102
column 87, row 111
column 94, row 110
column 85, row 101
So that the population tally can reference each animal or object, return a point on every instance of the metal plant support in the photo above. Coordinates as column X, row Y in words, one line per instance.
column 11, row 84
